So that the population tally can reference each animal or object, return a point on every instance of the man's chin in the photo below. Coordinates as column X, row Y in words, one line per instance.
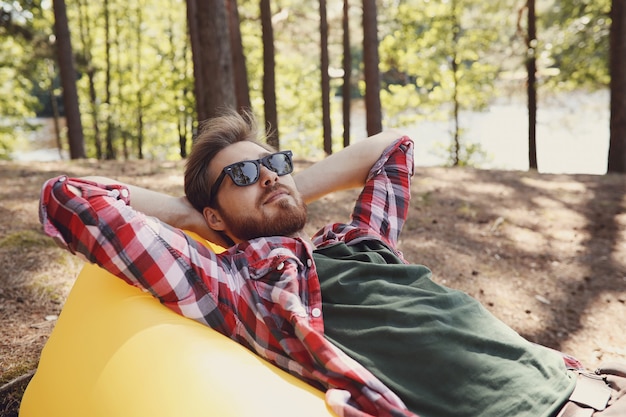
column 288, row 221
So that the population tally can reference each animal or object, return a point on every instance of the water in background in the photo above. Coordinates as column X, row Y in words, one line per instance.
column 572, row 135
column 41, row 145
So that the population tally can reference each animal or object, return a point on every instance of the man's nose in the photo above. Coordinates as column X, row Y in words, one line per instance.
column 267, row 176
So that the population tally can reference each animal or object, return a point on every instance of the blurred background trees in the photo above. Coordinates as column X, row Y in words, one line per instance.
column 147, row 71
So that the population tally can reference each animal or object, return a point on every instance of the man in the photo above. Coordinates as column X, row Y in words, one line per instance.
column 343, row 310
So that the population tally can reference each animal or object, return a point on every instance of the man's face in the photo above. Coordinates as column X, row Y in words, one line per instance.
column 270, row 207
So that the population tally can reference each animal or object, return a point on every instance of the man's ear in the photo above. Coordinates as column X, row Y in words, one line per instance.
column 213, row 219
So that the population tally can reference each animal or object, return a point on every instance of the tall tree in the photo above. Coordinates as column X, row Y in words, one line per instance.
column 215, row 84
column 68, row 80
column 194, row 40
column 346, row 89
column 140, row 90
column 180, row 65
column 86, row 60
column 269, row 75
column 617, row 142
column 454, row 66
column 371, row 73
column 109, row 152
column 531, row 85
column 327, row 128
column 242, row 91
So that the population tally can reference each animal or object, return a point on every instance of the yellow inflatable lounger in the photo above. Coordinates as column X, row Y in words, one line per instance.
column 116, row 351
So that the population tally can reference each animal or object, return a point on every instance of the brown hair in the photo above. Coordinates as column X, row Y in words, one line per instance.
column 214, row 135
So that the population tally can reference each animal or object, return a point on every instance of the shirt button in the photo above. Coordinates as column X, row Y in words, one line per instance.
column 316, row 312
column 124, row 193
column 309, row 262
column 280, row 266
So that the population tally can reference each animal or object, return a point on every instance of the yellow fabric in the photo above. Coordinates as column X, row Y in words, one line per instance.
column 116, row 351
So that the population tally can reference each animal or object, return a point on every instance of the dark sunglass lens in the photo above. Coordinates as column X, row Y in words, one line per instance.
column 244, row 173
column 280, row 163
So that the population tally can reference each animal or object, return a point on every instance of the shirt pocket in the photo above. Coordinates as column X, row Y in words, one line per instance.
column 277, row 281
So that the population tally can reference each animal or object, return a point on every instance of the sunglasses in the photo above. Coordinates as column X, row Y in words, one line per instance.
column 248, row 172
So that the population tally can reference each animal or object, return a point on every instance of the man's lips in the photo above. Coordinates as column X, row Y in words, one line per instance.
column 275, row 195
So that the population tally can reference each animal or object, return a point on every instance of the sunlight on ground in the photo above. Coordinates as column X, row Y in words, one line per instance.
column 600, row 346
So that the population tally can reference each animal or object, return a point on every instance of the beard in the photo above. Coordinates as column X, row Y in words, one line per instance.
column 290, row 220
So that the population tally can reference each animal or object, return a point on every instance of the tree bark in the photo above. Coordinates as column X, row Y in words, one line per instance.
column 269, row 75
column 139, row 92
column 210, row 44
column 194, row 40
column 85, row 26
column 68, row 81
column 531, row 69
column 370, row 68
column 346, row 90
column 242, row 91
column 327, row 127
column 109, row 152
column 617, row 58
column 454, row 66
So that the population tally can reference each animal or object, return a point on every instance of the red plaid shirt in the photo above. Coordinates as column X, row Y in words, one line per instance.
column 264, row 293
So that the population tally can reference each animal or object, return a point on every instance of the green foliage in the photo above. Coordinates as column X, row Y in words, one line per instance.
column 575, row 43
column 471, row 154
column 151, row 82
column 298, row 76
column 433, row 54
column 24, row 38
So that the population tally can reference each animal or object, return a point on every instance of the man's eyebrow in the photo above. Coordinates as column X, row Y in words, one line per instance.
column 261, row 154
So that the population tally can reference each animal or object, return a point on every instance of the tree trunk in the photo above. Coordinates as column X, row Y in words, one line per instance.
column 194, row 40
column 531, row 69
column 118, row 133
column 269, row 75
column 370, row 68
column 140, row 116
column 215, row 86
column 456, row 144
column 456, row 108
column 327, row 127
column 86, row 40
column 68, row 80
column 346, row 90
column 242, row 91
column 617, row 146
column 185, row 116
column 108, row 135
column 54, row 105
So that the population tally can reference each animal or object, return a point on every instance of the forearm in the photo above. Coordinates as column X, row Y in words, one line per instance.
column 345, row 169
column 168, row 209
column 76, row 214
column 175, row 211
column 94, row 220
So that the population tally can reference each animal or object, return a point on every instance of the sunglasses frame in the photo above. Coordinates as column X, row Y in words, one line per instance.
column 228, row 170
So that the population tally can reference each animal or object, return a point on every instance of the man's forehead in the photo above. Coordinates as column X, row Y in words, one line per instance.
column 237, row 152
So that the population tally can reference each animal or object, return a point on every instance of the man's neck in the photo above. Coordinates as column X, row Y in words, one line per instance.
column 304, row 237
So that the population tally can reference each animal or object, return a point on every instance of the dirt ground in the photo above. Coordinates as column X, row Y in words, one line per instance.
column 545, row 253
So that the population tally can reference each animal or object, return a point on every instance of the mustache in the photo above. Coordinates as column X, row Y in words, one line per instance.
column 275, row 187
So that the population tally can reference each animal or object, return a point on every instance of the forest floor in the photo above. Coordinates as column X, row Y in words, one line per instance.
column 545, row 253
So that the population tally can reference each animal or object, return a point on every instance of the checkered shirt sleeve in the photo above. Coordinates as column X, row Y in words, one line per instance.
column 383, row 205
